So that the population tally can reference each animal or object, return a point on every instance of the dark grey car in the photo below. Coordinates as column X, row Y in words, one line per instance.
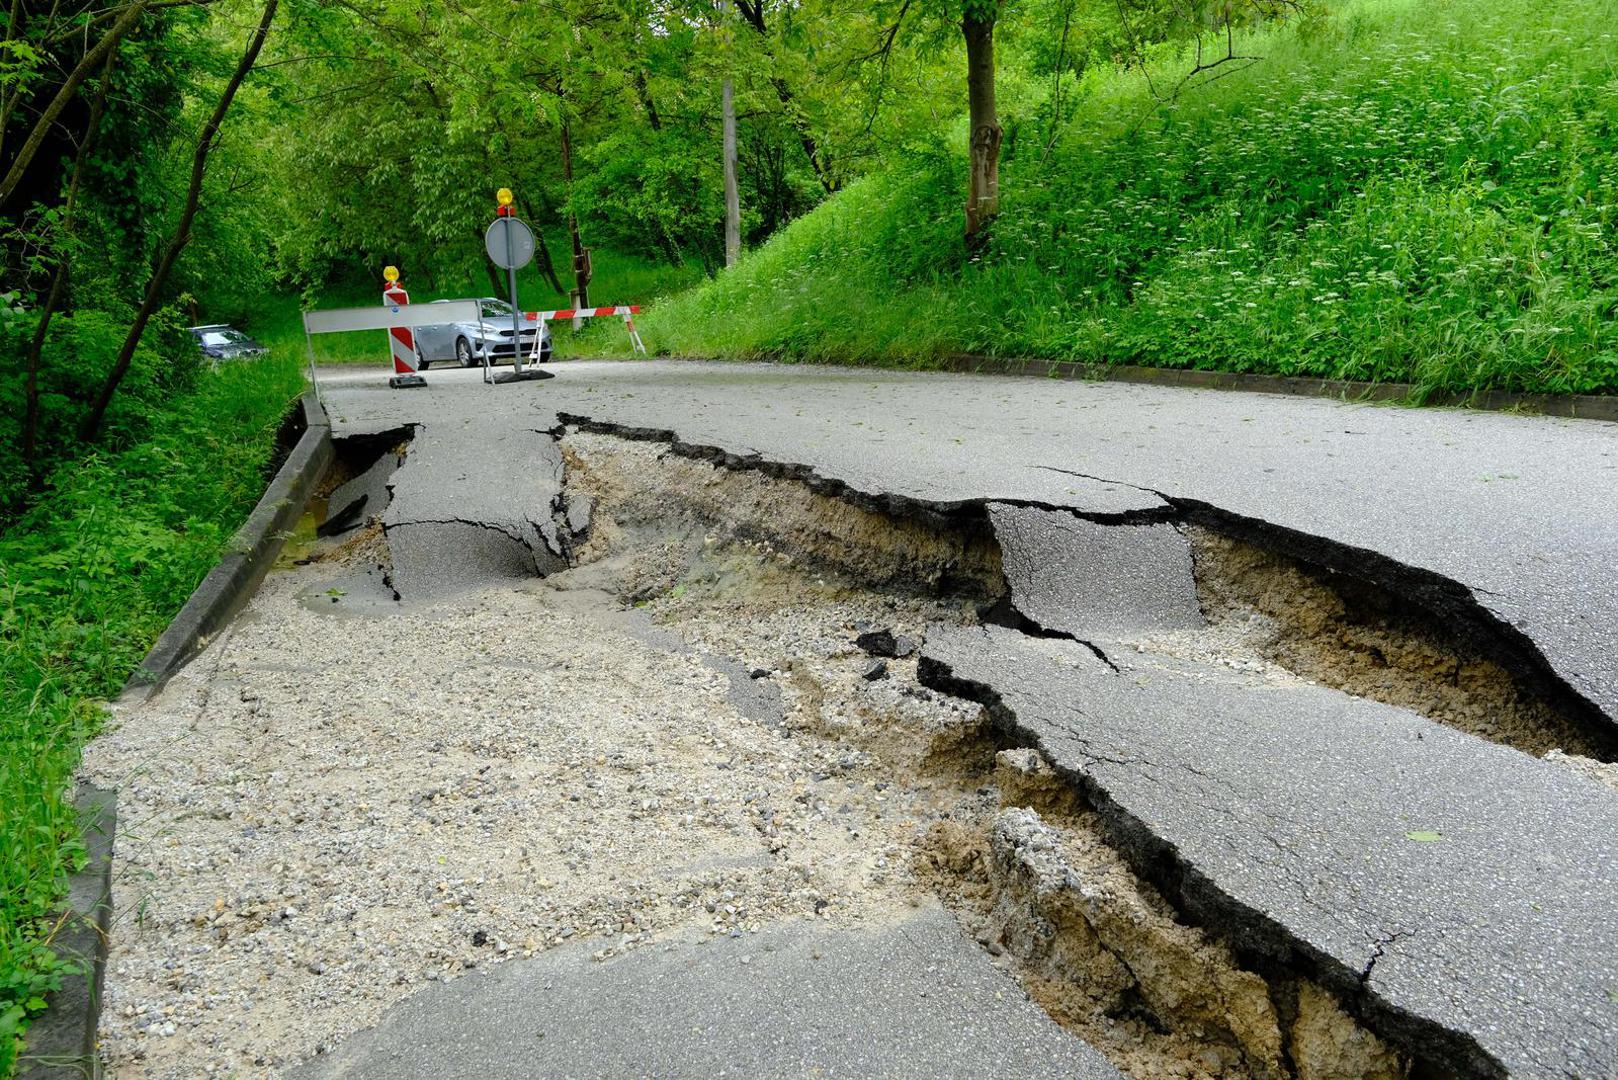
column 467, row 342
column 221, row 341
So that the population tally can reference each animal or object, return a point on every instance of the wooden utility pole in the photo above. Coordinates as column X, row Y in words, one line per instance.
column 733, row 203
column 983, row 193
column 582, row 270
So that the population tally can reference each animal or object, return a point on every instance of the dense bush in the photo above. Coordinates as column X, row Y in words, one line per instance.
column 78, row 352
column 1413, row 190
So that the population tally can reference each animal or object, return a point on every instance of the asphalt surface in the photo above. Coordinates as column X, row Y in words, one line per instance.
column 1470, row 888
column 1520, row 511
column 473, row 503
column 1465, row 893
column 1089, row 579
column 914, row 999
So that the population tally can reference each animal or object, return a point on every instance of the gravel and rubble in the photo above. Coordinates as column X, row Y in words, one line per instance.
column 348, row 796
column 324, row 812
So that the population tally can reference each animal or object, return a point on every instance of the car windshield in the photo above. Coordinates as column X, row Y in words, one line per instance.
column 496, row 309
column 224, row 337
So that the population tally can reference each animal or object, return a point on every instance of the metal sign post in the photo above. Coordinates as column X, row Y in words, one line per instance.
column 510, row 244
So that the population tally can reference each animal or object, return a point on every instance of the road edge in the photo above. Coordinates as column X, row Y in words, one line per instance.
column 61, row 1042
column 249, row 556
column 1570, row 406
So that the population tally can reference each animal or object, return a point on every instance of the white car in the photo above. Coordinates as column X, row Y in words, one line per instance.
column 467, row 343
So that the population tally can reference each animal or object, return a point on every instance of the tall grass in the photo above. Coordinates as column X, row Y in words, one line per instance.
column 1413, row 190
column 89, row 576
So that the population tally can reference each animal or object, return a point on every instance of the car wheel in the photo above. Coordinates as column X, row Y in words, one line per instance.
column 422, row 363
column 463, row 353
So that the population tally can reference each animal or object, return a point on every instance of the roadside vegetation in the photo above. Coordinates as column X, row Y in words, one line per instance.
column 1420, row 191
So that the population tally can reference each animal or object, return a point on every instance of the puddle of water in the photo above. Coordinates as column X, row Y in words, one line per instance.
column 303, row 538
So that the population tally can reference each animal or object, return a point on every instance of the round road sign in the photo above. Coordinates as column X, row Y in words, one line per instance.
column 509, row 243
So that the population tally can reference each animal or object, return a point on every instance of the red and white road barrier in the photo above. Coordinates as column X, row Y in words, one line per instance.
column 561, row 314
column 626, row 311
column 400, row 338
column 390, row 317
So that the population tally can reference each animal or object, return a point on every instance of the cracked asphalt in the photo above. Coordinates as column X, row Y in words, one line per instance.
column 1298, row 817
column 1470, row 888
column 1521, row 511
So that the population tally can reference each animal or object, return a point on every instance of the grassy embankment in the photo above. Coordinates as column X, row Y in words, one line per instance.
column 1419, row 191
column 89, row 576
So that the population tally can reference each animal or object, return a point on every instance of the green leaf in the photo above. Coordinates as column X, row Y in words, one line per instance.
column 1424, row 836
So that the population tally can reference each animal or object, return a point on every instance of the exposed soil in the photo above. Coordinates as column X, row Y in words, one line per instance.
column 1014, row 851
column 653, row 492
column 679, row 731
column 1352, row 638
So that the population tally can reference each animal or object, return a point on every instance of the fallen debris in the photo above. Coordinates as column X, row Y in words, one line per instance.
column 712, row 754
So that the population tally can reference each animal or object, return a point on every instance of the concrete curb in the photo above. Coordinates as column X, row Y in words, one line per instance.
column 252, row 551
column 61, row 1043
column 1577, row 406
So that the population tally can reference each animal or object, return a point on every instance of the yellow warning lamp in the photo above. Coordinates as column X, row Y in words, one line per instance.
column 390, row 274
column 504, row 197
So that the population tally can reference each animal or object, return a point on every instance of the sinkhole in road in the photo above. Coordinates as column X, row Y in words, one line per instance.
column 739, row 560
column 753, row 563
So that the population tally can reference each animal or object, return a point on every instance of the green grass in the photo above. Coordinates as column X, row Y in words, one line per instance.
column 89, row 576
column 618, row 279
column 1414, row 190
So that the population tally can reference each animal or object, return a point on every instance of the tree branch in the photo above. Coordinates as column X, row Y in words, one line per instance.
column 91, row 427
column 91, row 60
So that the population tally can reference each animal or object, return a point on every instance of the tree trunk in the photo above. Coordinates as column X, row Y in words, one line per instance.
column 542, row 251
column 983, row 192
column 644, row 93
column 80, row 72
column 581, row 258
column 733, row 204
column 91, row 426
column 36, row 345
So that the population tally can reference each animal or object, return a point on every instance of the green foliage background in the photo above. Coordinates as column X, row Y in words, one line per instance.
column 1411, row 191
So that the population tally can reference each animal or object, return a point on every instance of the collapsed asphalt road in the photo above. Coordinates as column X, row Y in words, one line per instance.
column 1506, row 524
column 1455, row 896
column 1498, row 943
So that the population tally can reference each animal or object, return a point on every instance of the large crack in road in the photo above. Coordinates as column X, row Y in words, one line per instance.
column 1479, row 886
column 1295, row 783
column 1331, row 878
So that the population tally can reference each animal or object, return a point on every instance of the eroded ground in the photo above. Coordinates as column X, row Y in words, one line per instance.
column 347, row 797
